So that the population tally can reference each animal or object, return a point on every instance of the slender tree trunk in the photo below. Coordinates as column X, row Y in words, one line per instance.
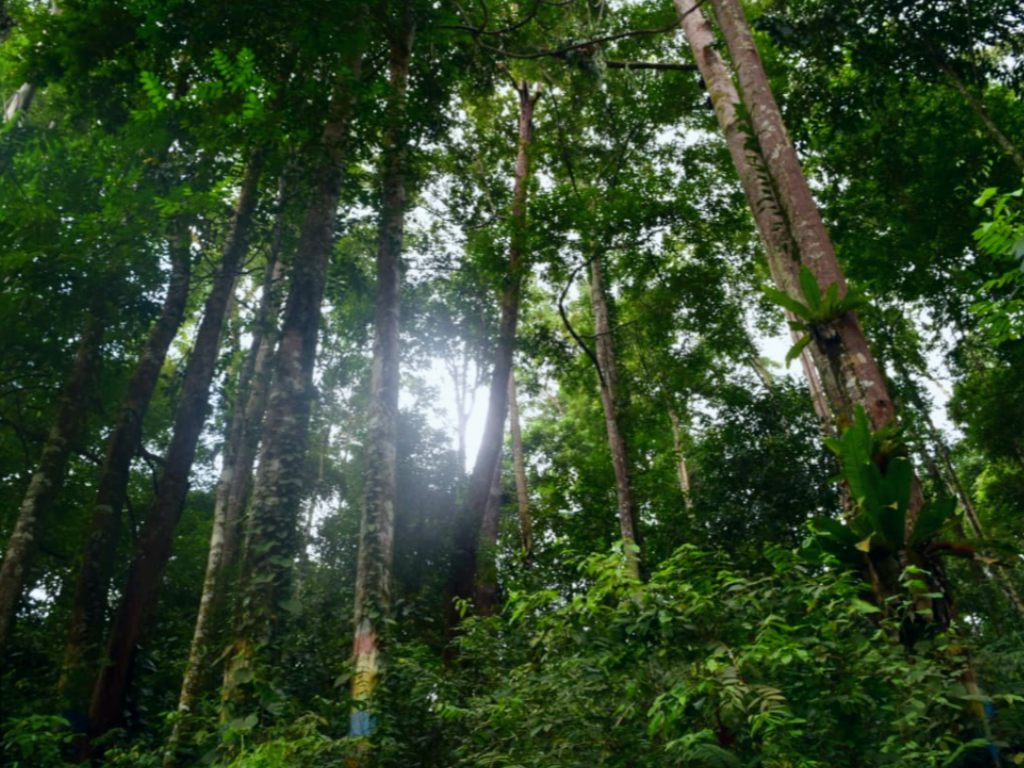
column 88, row 612
column 978, row 107
column 277, row 496
column 608, row 377
column 377, row 527
column 239, row 452
column 153, row 549
column 682, row 472
column 753, row 175
column 48, row 478
column 519, row 469
column 468, row 532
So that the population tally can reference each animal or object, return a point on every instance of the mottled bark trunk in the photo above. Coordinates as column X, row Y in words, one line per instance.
column 771, row 224
column 519, row 469
column 377, row 526
column 608, row 379
column 468, row 532
column 850, row 375
column 239, row 453
column 48, row 478
column 153, row 549
column 88, row 611
column 853, row 377
column 277, row 496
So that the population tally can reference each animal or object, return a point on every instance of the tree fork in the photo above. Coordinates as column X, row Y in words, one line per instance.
column 466, row 557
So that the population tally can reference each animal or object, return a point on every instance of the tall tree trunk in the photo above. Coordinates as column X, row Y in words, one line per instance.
column 88, row 612
column 468, row 532
column 277, row 496
column 230, row 499
column 608, row 378
column 377, row 527
column 790, row 224
column 153, row 549
column 48, row 478
column 465, row 397
column 772, row 225
column 519, row 469
column 853, row 377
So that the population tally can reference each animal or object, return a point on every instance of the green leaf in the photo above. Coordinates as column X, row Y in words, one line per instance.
column 931, row 518
column 863, row 606
column 810, row 289
column 786, row 301
column 796, row 349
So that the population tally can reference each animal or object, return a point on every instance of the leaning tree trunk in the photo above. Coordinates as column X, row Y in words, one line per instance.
column 519, row 469
column 88, row 612
column 978, row 107
column 465, row 565
column 153, row 548
column 790, row 224
column 377, row 527
column 265, row 581
column 853, row 377
column 239, row 452
column 48, row 478
column 608, row 380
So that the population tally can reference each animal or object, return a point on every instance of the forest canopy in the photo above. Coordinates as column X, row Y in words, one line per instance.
column 552, row 383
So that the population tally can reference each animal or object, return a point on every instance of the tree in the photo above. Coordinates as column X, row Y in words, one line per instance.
column 470, row 558
column 156, row 538
column 377, row 526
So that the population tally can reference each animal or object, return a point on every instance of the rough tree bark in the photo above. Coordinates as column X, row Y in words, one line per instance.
column 791, row 226
column 48, row 478
column 608, row 379
column 265, row 581
column 519, row 469
column 153, row 548
column 231, row 495
column 88, row 611
column 853, row 377
column 377, row 526
column 465, row 559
